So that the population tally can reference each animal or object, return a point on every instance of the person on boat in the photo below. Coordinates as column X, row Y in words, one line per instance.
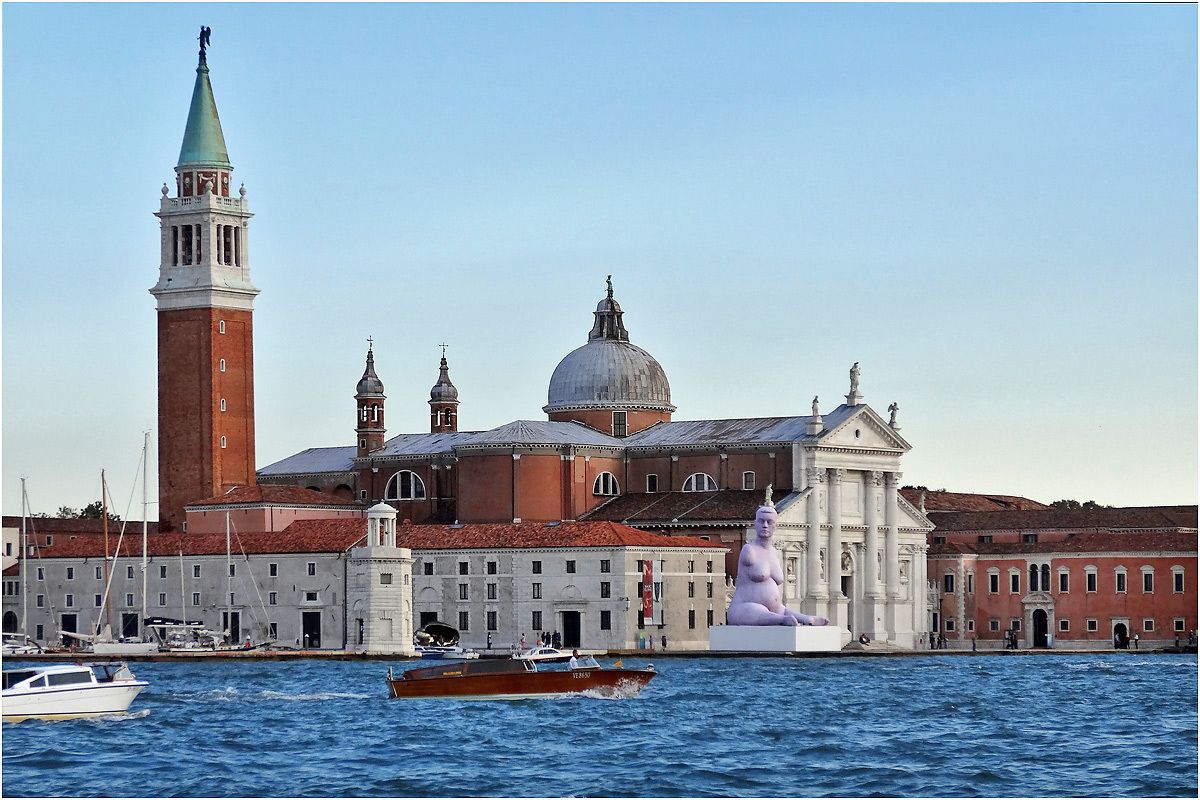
column 756, row 596
column 522, row 641
column 574, row 662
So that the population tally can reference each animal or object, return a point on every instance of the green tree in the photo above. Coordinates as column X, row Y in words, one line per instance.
column 1075, row 505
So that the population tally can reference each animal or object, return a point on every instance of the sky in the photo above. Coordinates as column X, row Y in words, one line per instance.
column 991, row 207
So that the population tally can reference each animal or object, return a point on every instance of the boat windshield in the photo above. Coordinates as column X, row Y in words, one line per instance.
column 14, row 676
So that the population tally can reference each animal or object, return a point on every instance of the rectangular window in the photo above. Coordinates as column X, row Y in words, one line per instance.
column 464, row 620
column 606, row 620
column 41, row 633
column 273, row 570
column 1029, row 538
column 1016, row 625
column 1014, row 582
column 605, row 589
column 99, row 572
column 949, row 624
column 309, row 597
column 491, row 621
column 993, row 583
column 537, row 591
column 651, row 483
column 691, row 566
column 1064, row 625
column 385, row 579
column 570, row 567
column 948, row 583
column 970, row 583
column 129, row 600
column 709, row 618
column 536, row 568
column 195, row 598
column 620, row 424
column 1147, row 582
column 428, row 565
column 984, row 539
column 273, row 631
column 939, row 539
column 129, row 572
column 1178, row 579
column 312, row 568
column 1147, row 624
column 491, row 567
column 709, row 568
column 162, row 599
column 273, row 598
column 1064, row 582
column 1120, row 582
column 710, row 589
column 691, row 588
column 195, row 570
column 1093, row 625
column 98, row 600
column 605, row 565
column 41, row 601
column 747, row 480
column 162, row 571
column 41, row 574
column 491, row 593
column 70, row 573
column 536, row 621
column 971, row 625
column 462, row 568
column 1179, row 624
column 691, row 619
column 1091, row 581
column 462, row 591
column 232, row 570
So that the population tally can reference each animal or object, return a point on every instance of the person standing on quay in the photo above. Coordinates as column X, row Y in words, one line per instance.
column 1137, row 637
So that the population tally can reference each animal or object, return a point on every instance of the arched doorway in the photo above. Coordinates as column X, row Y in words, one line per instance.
column 10, row 622
column 1120, row 636
column 1040, row 627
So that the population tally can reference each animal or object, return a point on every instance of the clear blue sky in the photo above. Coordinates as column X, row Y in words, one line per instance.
column 992, row 208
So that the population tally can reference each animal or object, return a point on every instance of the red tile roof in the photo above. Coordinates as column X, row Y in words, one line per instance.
column 273, row 494
column 13, row 569
column 504, row 536
column 201, row 544
column 1167, row 541
column 1146, row 518
column 727, row 505
column 965, row 501
column 73, row 525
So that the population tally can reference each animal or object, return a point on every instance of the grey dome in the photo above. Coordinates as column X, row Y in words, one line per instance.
column 609, row 373
column 369, row 385
column 443, row 391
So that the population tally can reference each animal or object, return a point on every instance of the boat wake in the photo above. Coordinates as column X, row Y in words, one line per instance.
column 625, row 690
column 314, row 696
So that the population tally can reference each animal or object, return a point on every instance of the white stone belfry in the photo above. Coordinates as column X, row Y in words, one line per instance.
column 379, row 589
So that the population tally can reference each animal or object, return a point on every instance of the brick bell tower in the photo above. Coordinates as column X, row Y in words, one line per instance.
column 443, row 401
column 205, row 319
column 369, row 398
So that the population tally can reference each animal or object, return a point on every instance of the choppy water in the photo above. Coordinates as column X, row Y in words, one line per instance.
column 1055, row 725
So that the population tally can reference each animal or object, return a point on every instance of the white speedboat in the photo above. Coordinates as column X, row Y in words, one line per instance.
column 544, row 655
column 68, row 691
column 18, row 644
column 453, row 653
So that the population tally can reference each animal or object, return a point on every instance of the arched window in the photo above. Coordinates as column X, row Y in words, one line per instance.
column 1045, row 577
column 606, row 484
column 1033, row 577
column 699, row 482
column 405, row 485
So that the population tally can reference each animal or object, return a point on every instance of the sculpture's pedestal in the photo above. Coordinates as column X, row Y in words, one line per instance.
column 775, row 638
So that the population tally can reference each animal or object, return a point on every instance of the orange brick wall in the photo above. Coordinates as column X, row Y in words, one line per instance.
column 602, row 420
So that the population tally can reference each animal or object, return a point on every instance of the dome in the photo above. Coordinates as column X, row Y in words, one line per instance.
column 609, row 372
column 369, row 384
column 443, row 391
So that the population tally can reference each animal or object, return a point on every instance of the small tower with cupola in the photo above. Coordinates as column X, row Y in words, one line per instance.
column 369, row 429
column 443, row 401
column 379, row 589
column 205, row 304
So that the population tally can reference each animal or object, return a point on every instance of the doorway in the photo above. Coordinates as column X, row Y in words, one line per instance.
column 1040, row 628
column 129, row 625
column 1120, row 636
column 310, row 624
column 571, row 627
column 847, row 591
column 70, row 622
column 233, row 624
column 10, row 622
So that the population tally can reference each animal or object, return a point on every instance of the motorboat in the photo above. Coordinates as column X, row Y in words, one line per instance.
column 103, row 643
column 68, row 691
column 510, row 679
column 455, row 652
column 545, row 655
column 18, row 644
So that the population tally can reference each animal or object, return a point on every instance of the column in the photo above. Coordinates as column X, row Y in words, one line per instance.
column 177, row 245
column 220, row 248
column 838, row 601
column 873, row 623
column 898, row 614
column 818, row 591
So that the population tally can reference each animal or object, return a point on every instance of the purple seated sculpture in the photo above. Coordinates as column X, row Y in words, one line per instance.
column 756, row 596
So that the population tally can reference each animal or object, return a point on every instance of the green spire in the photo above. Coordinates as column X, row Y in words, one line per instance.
column 203, row 142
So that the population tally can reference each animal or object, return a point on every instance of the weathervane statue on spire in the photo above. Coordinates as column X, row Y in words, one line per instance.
column 205, row 38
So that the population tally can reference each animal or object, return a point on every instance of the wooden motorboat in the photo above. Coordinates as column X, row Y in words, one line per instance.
column 68, row 691
column 510, row 679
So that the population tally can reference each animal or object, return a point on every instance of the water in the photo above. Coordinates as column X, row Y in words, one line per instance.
column 1057, row 725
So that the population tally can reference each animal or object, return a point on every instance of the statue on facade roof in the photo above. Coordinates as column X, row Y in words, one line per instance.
column 608, row 281
column 205, row 38
column 894, row 407
column 854, row 378
column 815, row 413
column 757, row 599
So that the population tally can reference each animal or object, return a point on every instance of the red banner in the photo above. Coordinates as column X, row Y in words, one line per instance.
column 647, row 590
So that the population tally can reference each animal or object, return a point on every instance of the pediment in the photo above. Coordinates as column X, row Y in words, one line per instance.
column 864, row 429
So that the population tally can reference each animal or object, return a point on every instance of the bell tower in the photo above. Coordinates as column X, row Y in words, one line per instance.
column 443, row 401
column 205, row 328
column 369, row 397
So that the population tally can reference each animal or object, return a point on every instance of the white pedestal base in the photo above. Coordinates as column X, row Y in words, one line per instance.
column 775, row 639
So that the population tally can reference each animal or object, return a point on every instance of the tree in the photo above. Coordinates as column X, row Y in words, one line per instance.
column 92, row 510
column 1075, row 505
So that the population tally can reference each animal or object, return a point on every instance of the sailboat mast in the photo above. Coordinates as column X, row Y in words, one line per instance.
column 104, row 517
column 228, row 584
column 182, row 592
column 145, row 456
column 24, row 568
